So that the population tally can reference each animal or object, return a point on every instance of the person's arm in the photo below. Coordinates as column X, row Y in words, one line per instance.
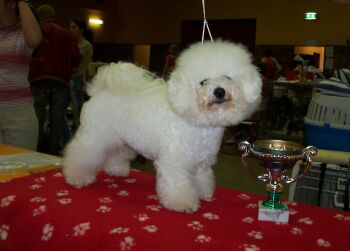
column 167, row 65
column 74, row 52
column 31, row 28
column 278, row 66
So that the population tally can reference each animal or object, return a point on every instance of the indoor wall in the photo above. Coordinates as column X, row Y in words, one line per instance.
column 159, row 21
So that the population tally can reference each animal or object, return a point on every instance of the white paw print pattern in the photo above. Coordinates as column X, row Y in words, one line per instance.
column 58, row 175
column 255, row 234
column 251, row 247
column 203, row 238
column 65, row 201
column 306, row 220
column 251, row 205
column 40, row 179
column 4, row 229
column 209, row 199
column 123, row 193
column 292, row 212
column 119, row 230
column 141, row 217
column 292, row 203
column 130, row 181
column 195, row 225
column 248, row 219
column 323, row 243
column 105, row 200
column 62, row 193
column 113, row 186
column 35, row 186
column 244, row 196
column 296, row 231
column 211, row 216
column 38, row 199
column 155, row 208
column 127, row 243
column 151, row 228
column 104, row 209
column 39, row 210
column 152, row 197
column 5, row 202
column 47, row 232
column 80, row 230
column 342, row 217
column 108, row 180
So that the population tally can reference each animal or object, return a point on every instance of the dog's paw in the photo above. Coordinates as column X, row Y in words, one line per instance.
column 187, row 203
column 79, row 181
column 206, row 197
column 182, row 206
column 117, row 171
column 206, row 193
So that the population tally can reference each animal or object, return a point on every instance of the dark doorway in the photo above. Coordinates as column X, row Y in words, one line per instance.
column 236, row 30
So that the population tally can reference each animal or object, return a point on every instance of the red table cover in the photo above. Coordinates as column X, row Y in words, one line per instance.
column 42, row 212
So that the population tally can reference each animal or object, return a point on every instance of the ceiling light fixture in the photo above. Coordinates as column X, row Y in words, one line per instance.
column 95, row 21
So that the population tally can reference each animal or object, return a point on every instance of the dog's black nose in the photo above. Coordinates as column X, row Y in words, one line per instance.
column 219, row 93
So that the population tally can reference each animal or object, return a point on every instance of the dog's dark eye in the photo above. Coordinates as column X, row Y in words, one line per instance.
column 203, row 82
column 227, row 77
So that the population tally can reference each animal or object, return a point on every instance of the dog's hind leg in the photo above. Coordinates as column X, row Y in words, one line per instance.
column 118, row 161
column 83, row 157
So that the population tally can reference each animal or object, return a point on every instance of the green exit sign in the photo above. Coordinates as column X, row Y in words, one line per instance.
column 310, row 16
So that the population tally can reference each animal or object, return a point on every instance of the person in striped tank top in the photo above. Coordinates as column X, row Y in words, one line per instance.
column 19, row 34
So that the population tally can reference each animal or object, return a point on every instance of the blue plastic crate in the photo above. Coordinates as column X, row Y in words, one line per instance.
column 326, row 137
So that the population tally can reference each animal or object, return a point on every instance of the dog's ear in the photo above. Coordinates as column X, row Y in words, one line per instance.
column 251, row 84
column 180, row 92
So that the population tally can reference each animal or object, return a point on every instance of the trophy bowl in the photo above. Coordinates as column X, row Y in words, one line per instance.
column 277, row 157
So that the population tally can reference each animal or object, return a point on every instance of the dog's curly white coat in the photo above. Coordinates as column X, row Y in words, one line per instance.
column 179, row 124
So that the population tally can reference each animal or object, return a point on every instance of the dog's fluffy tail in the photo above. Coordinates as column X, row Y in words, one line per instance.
column 121, row 78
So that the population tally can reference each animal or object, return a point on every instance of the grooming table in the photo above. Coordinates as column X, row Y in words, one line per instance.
column 42, row 212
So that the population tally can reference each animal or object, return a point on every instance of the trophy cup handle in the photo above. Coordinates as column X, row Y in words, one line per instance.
column 308, row 152
column 246, row 147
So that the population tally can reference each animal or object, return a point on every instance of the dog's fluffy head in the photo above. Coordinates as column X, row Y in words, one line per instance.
column 215, row 84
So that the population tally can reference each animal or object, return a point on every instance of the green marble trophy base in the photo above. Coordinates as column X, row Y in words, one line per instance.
column 277, row 157
column 275, row 215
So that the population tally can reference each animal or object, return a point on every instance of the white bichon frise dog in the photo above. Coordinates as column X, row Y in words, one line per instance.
column 178, row 124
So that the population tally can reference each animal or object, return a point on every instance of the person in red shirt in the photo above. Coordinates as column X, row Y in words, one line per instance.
column 271, row 65
column 50, row 71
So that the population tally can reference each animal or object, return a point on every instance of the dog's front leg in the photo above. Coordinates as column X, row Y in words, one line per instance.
column 176, row 188
column 205, row 181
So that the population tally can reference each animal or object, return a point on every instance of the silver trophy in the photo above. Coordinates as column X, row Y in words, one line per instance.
column 276, row 156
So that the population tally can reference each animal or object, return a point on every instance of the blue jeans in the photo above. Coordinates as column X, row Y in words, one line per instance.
column 77, row 91
column 53, row 94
